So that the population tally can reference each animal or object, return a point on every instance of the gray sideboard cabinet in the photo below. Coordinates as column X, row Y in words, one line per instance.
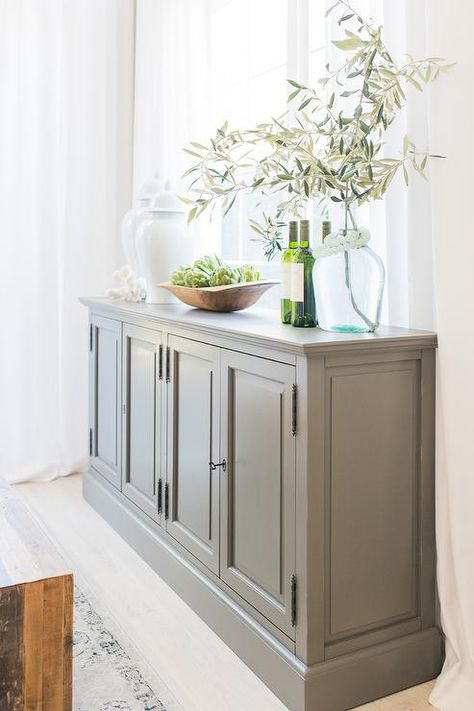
column 282, row 482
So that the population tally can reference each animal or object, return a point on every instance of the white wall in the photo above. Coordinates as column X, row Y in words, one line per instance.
column 450, row 35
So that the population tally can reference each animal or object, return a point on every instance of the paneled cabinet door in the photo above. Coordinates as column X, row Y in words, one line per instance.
column 258, row 488
column 142, row 418
column 104, row 416
column 193, row 442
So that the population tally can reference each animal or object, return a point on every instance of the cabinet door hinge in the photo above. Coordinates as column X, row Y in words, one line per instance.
column 91, row 337
column 168, row 358
column 90, row 442
column 160, row 495
column 160, row 362
column 293, row 410
column 167, row 500
column 293, row 599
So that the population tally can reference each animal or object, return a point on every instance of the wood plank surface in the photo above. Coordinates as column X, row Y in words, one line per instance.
column 11, row 648
column 33, row 625
column 53, row 666
column 36, row 614
column 68, row 627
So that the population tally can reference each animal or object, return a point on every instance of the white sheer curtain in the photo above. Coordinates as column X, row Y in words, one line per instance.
column 172, row 92
column 451, row 109
column 172, row 89
column 66, row 83
column 400, row 224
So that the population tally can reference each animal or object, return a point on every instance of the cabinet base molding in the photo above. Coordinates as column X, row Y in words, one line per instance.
column 333, row 685
column 381, row 670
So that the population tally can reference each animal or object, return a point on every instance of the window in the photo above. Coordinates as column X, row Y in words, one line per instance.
column 200, row 62
column 250, row 68
column 249, row 72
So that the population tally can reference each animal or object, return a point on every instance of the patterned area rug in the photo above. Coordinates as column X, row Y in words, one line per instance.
column 107, row 674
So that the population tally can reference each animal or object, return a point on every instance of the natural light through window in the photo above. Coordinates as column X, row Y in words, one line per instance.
column 249, row 71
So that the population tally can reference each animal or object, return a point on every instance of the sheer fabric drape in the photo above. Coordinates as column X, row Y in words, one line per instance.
column 450, row 110
column 66, row 71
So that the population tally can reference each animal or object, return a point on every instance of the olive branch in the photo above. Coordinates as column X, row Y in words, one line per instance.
column 327, row 145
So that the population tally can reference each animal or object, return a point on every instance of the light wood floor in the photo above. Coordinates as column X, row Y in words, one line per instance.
column 198, row 668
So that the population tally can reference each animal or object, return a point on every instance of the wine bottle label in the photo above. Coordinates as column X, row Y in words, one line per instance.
column 297, row 282
column 286, row 280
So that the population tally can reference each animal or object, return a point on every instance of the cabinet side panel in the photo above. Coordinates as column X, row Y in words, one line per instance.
column 373, row 491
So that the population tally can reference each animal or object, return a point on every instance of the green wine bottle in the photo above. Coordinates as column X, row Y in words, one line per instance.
column 303, row 304
column 286, row 271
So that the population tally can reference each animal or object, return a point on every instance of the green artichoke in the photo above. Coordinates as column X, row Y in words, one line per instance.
column 211, row 271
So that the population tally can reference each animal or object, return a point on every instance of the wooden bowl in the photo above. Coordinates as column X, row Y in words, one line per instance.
column 231, row 297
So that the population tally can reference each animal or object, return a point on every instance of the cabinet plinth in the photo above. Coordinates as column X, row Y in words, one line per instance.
column 282, row 483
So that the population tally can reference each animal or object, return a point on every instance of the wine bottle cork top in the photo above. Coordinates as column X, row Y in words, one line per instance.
column 325, row 228
column 304, row 230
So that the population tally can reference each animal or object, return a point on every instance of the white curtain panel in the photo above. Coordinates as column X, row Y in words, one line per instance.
column 451, row 110
column 400, row 224
column 172, row 88
column 172, row 96
column 66, row 92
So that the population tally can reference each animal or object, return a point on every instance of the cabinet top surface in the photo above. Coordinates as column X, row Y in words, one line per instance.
column 260, row 326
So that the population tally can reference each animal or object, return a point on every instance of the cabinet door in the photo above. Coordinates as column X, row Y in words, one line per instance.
column 258, row 487
column 105, row 397
column 193, row 442
column 142, row 417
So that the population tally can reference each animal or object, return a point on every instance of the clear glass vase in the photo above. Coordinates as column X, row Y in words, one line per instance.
column 349, row 286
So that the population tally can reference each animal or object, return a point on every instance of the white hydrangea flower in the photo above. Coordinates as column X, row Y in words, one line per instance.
column 341, row 242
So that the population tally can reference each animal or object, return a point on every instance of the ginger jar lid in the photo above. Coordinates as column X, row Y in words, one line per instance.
column 167, row 201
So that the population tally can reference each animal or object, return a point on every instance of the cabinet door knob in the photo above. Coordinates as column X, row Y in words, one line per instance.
column 222, row 464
